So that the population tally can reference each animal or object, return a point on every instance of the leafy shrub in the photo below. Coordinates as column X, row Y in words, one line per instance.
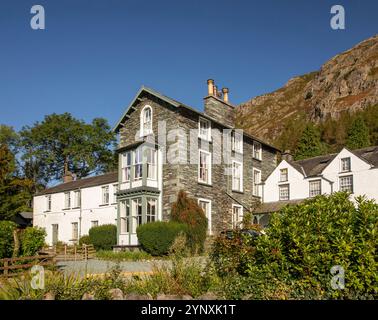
column 84, row 240
column 302, row 244
column 32, row 240
column 186, row 210
column 103, row 237
column 157, row 237
column 6, row 238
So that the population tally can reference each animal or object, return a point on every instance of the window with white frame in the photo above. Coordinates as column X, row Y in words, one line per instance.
column 237, row 142
column 48, row 202
column 206, row 207
column 284, row 192
column 204, row 167
column 126, row 166
column 204, row 130
column 345, row 164
column 77, row 198
column 346, row 183
column 284, row 175
column 315, row 188
column 151, row 210
column 137, row 213
column 67, row 200
column 105, row 195
column 256, row 183
column 146, row 121
column 237, row 215
column 125, row 215
column 94, row 223
column 151, row 163
column 138, row 164
column 237, row 176
column 115, row 190
column 75, row 230
column 256, row 150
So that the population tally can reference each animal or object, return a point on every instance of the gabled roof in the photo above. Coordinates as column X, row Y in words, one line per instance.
column 82, row 183
column 268, row 207
column 176, row 104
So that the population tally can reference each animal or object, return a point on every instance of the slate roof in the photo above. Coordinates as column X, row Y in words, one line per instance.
column 82, row 183
column 315, row 166
column 275, row 206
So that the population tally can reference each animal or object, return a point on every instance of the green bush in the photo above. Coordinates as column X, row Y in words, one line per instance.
column 186, row 210
column 103, row 237
column 6, row 238
column 301, row 245
column 84, row 240
column 157, row 237
column 32, row 240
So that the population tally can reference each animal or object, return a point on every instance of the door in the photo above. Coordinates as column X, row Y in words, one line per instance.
column 55, row 230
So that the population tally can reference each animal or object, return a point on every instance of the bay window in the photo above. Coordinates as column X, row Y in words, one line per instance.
column 126, row 166
column 138, row 164
column 151, row 210
column 151, row 163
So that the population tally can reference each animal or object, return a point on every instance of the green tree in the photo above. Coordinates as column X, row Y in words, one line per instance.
column 310, row 144
column 358, row 134
column 61, row 143
column 9, row 137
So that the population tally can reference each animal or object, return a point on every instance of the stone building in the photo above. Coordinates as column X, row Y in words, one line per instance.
column 166, row 146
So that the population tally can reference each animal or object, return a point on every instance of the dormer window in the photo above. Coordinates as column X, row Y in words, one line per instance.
column 204, row 129
column 146, row 121
column 345, row 165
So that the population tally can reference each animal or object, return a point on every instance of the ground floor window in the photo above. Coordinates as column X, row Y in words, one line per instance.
column 206, row 207
column 125, row 216
column 151, row 210
column 55, row 233
column 346, row 183
column 94, row 223
column 75, row 231
column 136, row 213
column 237, row 215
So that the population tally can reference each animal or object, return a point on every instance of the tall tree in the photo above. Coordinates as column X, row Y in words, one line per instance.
column 62, row 143
column 358, row 134
column 9, row 137
column 310, row 144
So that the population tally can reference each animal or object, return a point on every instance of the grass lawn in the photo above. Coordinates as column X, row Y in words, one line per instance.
column 124, row 255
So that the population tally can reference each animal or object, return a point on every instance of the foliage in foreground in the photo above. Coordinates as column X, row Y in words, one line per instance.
column 6, row 238
column 303, row 243
column 32, row 240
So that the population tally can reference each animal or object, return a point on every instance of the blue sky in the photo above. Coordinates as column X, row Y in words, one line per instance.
column 94, row 55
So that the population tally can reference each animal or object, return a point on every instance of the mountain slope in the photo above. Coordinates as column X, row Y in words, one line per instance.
column 347, row 82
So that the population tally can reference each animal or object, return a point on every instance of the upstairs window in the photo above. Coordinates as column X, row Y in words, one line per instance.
column 257, row 152
column 204, row 167
column 237, row 176
column 67, row 200
column 237, row 142
column 115, row 190
column 138, row 164
column 315, row 188
column 345, row 165
column 346, row 184
column 284, row 192
column 151, row 163
column 105, row 195
column 256, row 183
column 146, row 121
column 283, row 175
column 126, row 166
column 48, row 202
column 77, row 199
column 204, row 130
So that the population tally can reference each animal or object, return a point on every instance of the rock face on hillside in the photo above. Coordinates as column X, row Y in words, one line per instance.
column 347, row 82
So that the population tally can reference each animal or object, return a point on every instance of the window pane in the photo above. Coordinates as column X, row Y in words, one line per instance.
column 315, row 188
column 346, row 184
column 284, row 192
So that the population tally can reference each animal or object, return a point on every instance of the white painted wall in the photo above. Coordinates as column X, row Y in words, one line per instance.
column 365, row 179
column 91, row 210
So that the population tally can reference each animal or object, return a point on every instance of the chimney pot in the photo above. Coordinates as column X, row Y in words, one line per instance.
column 225, row 94
column 210, row 87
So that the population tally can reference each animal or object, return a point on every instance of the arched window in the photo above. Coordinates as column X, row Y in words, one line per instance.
column 146, row 121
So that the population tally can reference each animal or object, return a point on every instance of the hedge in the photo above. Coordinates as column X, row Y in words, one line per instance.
column 32, row 240
column 103, row 237
column 157, row 237
column 6, row 238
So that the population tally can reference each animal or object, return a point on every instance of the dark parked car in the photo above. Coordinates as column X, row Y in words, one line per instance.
column 229, row 234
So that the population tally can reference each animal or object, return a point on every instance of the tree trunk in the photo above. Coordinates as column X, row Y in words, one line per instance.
column 16, row 249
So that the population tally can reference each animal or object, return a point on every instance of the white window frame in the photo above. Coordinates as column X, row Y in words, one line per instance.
column 351, row 185
column 138, row 162
column 234, row 176
column 259, row 154
column 94, row 223
column 237, row 222
column 237, row 142
column 311, row 191
column 149, row 216
column 137, row 218
column 126, row 166
column 349, row 161
column 77, row 199
column 256, row 187
column 115, row 190
column 67, row 200
column 151, row 159
column 206, row 136
column 288, row 191
column 287, row 175
column 74, row 231
column 208, row 166
column 207, row 213
column 144, row 130
column 125, row 216
column 105, row 197
column 48, row 203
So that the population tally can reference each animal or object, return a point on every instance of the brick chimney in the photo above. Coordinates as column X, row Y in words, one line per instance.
column 286, row 155
column 216, row 107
